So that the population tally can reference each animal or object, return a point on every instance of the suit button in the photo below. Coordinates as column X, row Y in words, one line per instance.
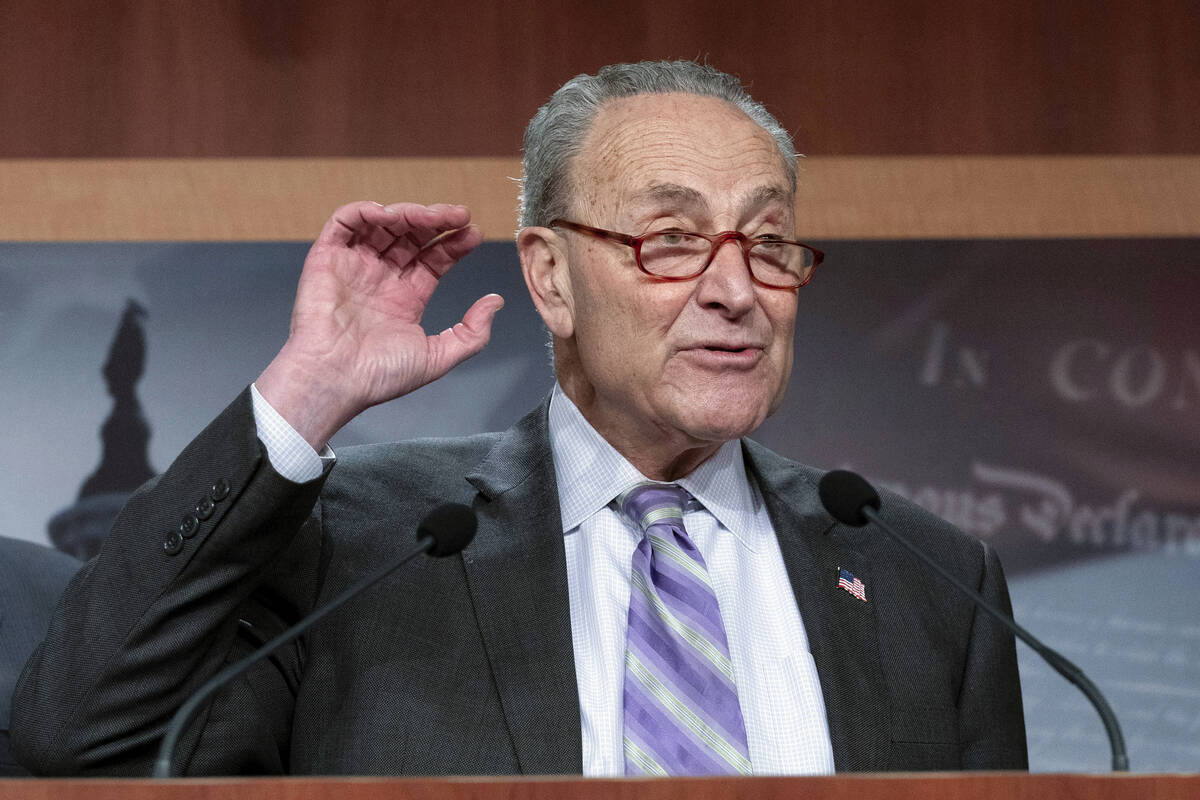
column 189, row 526
column 219, row 490
column 173, row 543
column 204, row 508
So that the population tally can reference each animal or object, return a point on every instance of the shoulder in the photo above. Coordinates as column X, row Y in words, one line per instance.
column 796, row 483
column 431, row 455
column 404, row 479
column 447, row 469
column 774, row 470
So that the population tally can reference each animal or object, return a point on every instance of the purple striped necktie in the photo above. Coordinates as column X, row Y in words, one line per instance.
column 682, row 715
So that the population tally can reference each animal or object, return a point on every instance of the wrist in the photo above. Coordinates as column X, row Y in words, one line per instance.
column 308, row 395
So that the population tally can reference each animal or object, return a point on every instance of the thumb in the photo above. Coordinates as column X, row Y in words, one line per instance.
column 458, row 343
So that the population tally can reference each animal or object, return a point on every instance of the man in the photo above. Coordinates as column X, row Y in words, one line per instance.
column 31, row 579
column 559, row 641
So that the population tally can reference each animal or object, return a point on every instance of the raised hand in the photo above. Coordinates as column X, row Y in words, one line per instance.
column 356, row 338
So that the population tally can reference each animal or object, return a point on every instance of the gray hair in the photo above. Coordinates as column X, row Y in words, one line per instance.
column 555, row 134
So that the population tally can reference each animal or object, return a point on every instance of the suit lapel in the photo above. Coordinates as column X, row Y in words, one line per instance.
column 516, row 573
column 841, row 629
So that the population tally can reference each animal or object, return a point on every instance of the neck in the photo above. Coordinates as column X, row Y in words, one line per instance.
column 674, row 469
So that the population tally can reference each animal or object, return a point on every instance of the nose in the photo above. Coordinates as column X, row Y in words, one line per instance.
column 726, row 285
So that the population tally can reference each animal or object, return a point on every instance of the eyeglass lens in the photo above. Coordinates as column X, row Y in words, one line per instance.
column 673, row 254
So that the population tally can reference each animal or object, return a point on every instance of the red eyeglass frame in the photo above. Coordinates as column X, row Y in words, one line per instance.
column 715, row 239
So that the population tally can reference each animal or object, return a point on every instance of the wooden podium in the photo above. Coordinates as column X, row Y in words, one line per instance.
column 923, row 786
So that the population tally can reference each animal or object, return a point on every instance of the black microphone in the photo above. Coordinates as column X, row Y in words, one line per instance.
column 852, row 501
column 443, row 532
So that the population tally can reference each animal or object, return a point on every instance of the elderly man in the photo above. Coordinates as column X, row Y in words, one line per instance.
column 649, row 592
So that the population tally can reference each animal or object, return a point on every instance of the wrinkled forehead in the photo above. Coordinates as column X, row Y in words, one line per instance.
column 699, row 153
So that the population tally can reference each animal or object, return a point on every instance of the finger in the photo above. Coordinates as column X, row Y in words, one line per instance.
column 420, row 225
column 450, row 249
column 356, row 221
column 383, row 232
column 439, row 256
column 417, row 227
column 456, row 344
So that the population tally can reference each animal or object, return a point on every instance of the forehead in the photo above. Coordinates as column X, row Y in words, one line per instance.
column 681, row 150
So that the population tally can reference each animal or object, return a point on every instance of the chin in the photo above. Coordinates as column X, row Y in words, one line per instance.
column 723, row 420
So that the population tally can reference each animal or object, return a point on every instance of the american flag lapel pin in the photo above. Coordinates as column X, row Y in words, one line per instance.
column 851, row 584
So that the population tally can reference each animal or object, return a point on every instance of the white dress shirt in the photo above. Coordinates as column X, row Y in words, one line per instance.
column 776, row 677
column 290, row 453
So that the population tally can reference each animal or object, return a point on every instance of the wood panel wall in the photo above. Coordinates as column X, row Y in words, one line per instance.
column 844, row 197
column 419, row 78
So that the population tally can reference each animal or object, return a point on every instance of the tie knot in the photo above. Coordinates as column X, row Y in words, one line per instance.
column 649, row 503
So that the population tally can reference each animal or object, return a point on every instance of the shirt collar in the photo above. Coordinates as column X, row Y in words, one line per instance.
column 590, row 473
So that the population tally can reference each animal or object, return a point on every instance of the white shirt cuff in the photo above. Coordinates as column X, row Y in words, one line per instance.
column 290, row 455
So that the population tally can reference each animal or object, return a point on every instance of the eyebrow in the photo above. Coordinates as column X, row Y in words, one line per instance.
column 765, row 195
column 690, row 198
column 671, row 192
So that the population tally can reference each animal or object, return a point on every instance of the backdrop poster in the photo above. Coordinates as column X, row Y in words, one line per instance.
column 1043, row 395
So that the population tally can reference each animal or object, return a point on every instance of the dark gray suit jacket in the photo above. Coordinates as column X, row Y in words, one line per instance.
column 464, row 664
column 31, row 579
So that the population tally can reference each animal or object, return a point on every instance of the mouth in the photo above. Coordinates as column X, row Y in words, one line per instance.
column 726, row 345
column 722, row 355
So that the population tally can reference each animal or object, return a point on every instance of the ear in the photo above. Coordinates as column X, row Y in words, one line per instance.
column 544, row 265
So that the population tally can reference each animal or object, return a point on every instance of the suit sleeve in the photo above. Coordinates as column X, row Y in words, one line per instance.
column 991, row 718
column 203, row 564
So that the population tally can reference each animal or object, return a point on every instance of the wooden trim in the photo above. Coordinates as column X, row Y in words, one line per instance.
column 840, row 197
column 1002, row 197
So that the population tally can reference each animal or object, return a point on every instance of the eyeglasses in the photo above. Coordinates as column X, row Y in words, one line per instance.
column 683, row 255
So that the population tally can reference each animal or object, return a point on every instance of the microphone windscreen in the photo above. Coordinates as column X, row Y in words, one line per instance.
column 844, row 493
column 451, row 527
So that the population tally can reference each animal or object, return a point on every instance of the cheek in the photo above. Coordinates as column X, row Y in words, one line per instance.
column 608, row 332
column 785, row 339
column 782, row 317
column 629, row 315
